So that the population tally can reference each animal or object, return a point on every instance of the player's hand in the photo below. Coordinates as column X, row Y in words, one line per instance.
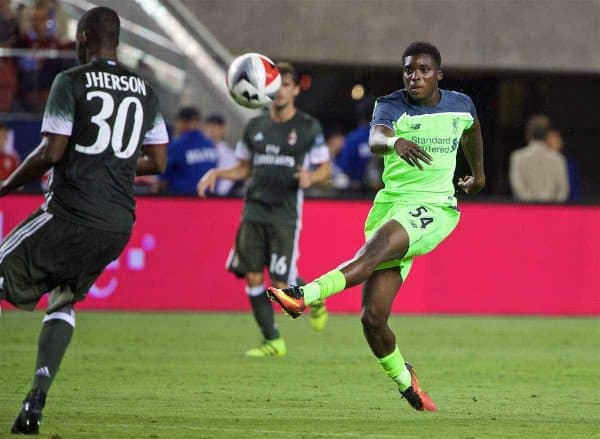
column 412, row 153
column 304, row 178
column 208, row 181
column 471, row 185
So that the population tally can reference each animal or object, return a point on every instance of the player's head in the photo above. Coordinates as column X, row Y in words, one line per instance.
column 289, row 86
column 537, row 128
column 422, row 69
column 187, row 119
column 214, row 127
column 97, row 30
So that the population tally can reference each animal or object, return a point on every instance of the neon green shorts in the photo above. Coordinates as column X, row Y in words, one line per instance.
column 426, row 224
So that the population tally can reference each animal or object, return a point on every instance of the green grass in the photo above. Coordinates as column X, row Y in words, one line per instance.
column 184, row 375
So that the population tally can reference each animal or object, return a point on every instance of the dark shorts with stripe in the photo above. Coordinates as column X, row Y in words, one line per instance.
column 272, row 246
column 49, row 254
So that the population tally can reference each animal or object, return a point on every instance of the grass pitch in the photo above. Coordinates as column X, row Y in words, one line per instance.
column 184, row 375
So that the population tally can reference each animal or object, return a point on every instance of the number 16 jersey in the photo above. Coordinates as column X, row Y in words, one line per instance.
column 108, row 112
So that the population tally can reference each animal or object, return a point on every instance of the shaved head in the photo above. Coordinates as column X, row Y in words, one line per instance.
column 97, row 29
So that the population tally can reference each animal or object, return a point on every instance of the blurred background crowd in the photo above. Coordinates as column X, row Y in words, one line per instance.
column 540, row 127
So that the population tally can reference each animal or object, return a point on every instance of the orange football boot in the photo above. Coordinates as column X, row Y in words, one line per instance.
column 291, row 299
column 416, row 396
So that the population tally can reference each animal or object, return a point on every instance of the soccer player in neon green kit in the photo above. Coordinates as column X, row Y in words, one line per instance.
column 417, row 130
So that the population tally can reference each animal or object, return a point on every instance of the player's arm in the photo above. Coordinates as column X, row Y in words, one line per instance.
column 45, row 156
column 241, row 171
column 382, row 141
column 307, row 178
column 153, row 160
column 472, row 145
column 321, row 173
column 318, row 158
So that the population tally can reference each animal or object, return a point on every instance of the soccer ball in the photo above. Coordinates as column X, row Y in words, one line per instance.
column 253, row 80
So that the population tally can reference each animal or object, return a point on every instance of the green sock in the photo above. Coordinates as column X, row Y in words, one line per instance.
column 55, row 336
column 393, row 366
column 263, row 312
column 324, row 286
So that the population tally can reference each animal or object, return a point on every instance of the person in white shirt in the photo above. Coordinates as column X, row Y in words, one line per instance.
column 537, row 172
column 215, row 129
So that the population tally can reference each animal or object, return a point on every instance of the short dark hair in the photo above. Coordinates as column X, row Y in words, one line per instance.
column 3, row 126
column 423, row 47
column 188, row 113
column 537, row 127
column 285, row 68
column 101, row 25
column 215, row 119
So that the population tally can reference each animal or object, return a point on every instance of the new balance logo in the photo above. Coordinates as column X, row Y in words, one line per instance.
column 258, row 137
column 415, row 126
column 43, row 371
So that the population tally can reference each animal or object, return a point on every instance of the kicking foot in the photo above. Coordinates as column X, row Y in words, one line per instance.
column 30, row 417
column 318, row 316
column 416, row 396
column 269, row 348
column 291, row 299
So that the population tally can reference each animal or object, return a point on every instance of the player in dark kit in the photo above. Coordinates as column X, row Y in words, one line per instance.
column 102, row 127
column 275, row 152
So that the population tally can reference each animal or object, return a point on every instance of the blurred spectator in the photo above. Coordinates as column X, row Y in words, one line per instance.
column 8, row 25
column 37, row 74
column 9, row 159
column 335, row 143
column 190, row 155
column 215, row 129
column 555, row 141
column 374, row 172
column 538, row 173
column 8, row 70
column 356, row 154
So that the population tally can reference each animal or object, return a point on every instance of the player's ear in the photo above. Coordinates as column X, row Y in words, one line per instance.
column 296, row 89
column 82, row 38
column 440, row 74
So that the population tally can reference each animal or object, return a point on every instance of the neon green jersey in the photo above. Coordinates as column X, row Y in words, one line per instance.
column 438, row 131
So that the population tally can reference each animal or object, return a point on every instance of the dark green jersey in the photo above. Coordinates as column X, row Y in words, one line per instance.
column 277, row 150
column 108, row 112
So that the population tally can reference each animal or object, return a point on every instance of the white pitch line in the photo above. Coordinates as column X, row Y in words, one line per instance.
column 234, row 430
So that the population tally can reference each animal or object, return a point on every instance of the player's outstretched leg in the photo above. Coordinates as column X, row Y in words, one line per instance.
column 388, row 243
column 273, row 345
column 378, row 295
column 55, row 336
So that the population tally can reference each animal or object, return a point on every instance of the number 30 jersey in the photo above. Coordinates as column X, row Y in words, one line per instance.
column 108, row 112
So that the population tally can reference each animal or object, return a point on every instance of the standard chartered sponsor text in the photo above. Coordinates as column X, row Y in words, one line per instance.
column 436, row 144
